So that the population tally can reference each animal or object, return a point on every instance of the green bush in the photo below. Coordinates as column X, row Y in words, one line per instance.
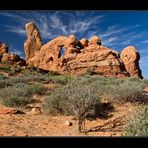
column 127, row 90
column 53, row 73
column 137, row 124
column 2, row 77
column 55, row 103
column 18, row 79
column 36, row 89
column 61, row 79
column 41, row 78
column 121, row 90
column 15, row 70
column 20, row 94
column 4, row 83
column 26, row 79
column 145, row 81
column 31, row 89
column 5, row 67
column 14, row 97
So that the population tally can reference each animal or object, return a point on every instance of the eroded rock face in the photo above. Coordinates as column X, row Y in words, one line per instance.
column 33, row 42
column 3, row 48
column 84, row 42
column 10, row 58
column 78, row 57
column 95, row 40
column 130, row 57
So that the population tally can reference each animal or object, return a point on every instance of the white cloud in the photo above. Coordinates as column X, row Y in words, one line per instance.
column 19, row 30
column 116, row 29
column 52, row 24
column 16, row 51
column 110, row 41
column 144, row 50
column 144, row 60
column 145, row 42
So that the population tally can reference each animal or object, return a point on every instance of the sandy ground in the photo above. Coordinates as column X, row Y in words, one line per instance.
column 44, row 125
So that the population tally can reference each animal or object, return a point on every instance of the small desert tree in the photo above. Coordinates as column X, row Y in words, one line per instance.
column 77, row 98
column 81, row 99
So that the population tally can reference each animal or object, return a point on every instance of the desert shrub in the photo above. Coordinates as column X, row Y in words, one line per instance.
column 55, row 104
column 36, row 89
column 53, row 73
column 41, row 78
column 14, row 97
column 145, row 81
column 90, row 71
column 18, row 79
column 16, row 101
column 25, row 79
column 15, row 70
column 32, row 89
column 121, row 90
column 74, row 98
column 127, row 90
column 61, row 79
column 6, row 67
column 2, row 77
column 20, row 94
column 4, row 83
column 12, row 72
column 137, row 124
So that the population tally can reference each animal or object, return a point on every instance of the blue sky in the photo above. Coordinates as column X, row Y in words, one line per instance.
column 117, row 29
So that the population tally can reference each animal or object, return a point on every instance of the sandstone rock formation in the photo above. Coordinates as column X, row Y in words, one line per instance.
column 10, row 58
column 130, row 57
column 33, row 42
column 78, row 58
column 3, row 48
column 84, row 42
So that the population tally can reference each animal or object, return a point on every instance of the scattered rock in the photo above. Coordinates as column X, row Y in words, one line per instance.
column 68, row 123
column 11, row 111
column 35, row 111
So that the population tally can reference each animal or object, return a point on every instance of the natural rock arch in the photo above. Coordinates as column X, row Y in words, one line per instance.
column 78, row 56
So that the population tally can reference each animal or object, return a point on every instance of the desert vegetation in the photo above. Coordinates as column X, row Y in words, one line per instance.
column 79, row 96
column 137, row 123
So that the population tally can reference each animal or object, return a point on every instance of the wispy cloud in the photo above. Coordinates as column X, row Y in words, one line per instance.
column 145, row 42
column 53, row 24
column 19, row 29
column 116, row 29
column 116, row 35
column 16, row 51
column 144, row 60
column 110, row 41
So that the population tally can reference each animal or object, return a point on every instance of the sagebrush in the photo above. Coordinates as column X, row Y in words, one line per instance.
column 137, row 124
